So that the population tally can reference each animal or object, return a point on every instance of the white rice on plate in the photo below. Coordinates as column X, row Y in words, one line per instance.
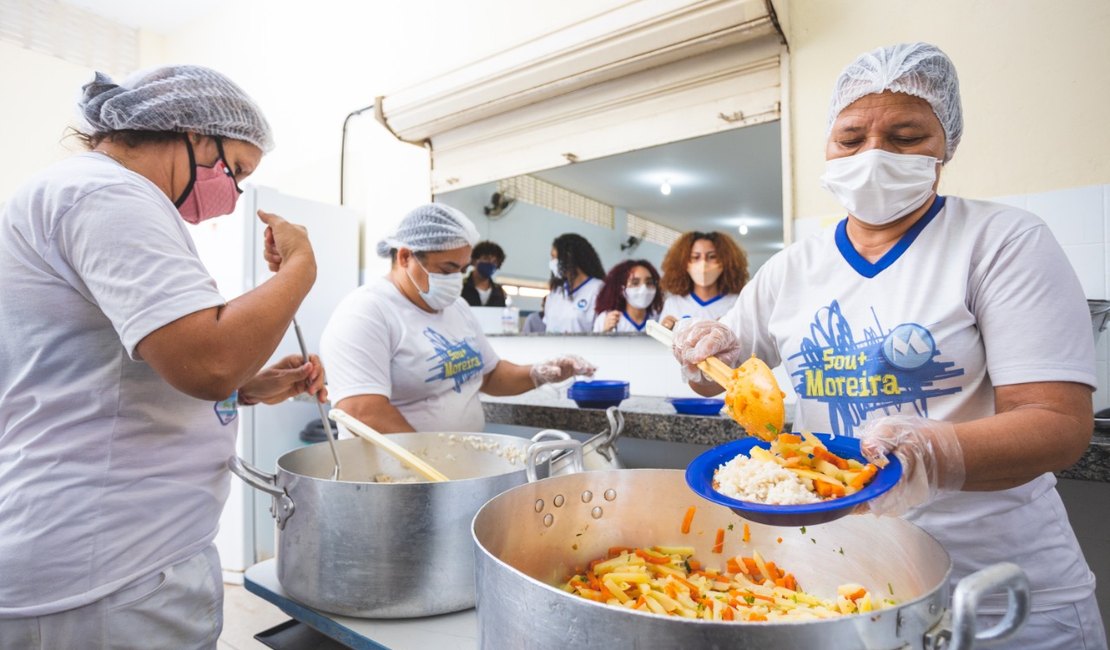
column 761, row 481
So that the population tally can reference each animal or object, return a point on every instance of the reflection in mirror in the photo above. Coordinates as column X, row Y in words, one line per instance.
column 632, row 205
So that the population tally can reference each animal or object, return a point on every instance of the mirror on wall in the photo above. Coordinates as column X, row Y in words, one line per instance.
column 633, row 205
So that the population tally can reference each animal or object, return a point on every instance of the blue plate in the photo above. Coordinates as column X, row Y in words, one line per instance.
column 697, row 405
column 699, row 476
column 598, row 394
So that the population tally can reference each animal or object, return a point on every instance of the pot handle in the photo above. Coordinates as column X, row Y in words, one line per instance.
column 281, row 506
column 544, row 451
column 970, row 592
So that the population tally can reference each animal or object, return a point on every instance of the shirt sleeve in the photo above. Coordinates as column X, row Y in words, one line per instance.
column 750, row 315
column 122, row 249
column 1032, row 313
column 357, row 348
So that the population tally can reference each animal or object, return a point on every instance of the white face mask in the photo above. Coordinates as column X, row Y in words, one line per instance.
column 554, row 266
column 639, row 297
column 878, row 187
column 443, row 288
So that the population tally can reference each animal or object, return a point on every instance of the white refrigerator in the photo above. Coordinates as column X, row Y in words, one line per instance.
column 231, row 248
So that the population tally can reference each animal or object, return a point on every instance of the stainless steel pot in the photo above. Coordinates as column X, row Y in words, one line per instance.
column 391, row 550
column 563, row 522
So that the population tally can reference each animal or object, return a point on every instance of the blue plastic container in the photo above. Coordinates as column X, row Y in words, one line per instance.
column 598, row 394
column 697, row 405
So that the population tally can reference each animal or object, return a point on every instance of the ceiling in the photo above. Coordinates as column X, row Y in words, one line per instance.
column 162, row 17
column 717, row 182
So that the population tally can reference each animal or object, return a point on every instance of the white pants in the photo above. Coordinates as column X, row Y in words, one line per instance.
column 180, row 608
column 1073, row 627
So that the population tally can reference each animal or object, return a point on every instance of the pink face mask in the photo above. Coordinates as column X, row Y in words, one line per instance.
column 212, row 191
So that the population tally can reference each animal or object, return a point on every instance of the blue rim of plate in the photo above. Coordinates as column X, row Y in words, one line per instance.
column 697, row 405
column 699, row 477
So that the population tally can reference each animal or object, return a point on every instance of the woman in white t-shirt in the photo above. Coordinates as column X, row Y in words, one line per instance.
column 952, row 333
column 703, row 272
column 405, row 352
column 123, row 366
column 629, row 299
column 576, row 280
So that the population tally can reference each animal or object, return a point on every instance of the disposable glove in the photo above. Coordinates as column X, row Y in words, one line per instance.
column 560, row 369
column 932, row 461
column 696, row 340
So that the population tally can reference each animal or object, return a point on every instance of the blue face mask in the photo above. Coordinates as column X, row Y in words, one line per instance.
column 486, row 269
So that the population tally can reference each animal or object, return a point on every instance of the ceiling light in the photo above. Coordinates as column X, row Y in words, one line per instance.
column 665, row 188
column 743, row 229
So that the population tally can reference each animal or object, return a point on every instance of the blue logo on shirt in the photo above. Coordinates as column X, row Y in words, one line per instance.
column 883, row 371
column 228, row 409
column 457, row 361
column 581, row 304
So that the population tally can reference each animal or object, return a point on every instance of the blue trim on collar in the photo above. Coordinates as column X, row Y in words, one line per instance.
column 707, row 302
column 571, row 292
column 868, row 269
column 639, row 327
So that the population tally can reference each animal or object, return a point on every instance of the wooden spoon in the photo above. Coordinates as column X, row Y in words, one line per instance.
column 363, row 431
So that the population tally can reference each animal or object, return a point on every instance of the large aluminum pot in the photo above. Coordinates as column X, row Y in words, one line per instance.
column 532, row 537
column 357, row 547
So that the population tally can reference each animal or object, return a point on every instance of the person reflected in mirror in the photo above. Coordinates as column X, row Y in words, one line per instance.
column 576, row 280
column 629, row 298
column 407, row 353
column 952, row 334
column 479, row 289
column 703, row 273
column 533, row 324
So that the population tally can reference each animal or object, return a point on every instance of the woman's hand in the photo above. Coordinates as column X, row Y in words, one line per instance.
column 284, row 241
column 611, row 320
column 560, row 369
column 931, row 457
column 285, row 379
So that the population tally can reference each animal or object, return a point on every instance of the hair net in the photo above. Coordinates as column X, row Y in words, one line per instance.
column 431, row 227
column 175, row 98
column 917, row 69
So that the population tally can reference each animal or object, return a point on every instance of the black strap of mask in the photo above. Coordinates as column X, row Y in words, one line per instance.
column 192, row 174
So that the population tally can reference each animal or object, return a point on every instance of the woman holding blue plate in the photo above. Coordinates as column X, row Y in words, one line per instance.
column 908, row 325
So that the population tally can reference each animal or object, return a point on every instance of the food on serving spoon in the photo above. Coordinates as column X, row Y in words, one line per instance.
column 797, row 469
column 753, row 398
column 669, row 581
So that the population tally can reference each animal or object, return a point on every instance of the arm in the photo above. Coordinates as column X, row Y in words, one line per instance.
column 1038, row 427
column 508, row 379
column 377, row 412
column 210, row 353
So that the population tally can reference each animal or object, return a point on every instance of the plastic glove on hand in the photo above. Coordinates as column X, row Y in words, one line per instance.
column 931, row 457
column 560, row 369
column 697, row 340
column 755, row 400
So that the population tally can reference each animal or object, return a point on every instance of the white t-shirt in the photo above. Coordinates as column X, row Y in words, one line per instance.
column 624, row 323
column 429, row 365
column 107, row 473
column 692, row 307
column 572, row 312
column 483, row 295
column 979, row 295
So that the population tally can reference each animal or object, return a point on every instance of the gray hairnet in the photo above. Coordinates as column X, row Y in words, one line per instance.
column 175, row 98
column 431, row 227
column 917, row 69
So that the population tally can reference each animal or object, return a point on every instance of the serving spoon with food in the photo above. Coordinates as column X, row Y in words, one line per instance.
column 752, row 395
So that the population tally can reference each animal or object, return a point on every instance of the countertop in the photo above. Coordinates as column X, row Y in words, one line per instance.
column 653, row 418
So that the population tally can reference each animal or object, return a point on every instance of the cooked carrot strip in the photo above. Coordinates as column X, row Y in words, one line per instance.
column 688, row 519
column 750, row 565
column 694, row 564
column 719, row 545
column 756, row 616
column 857, row 594
column 747, row 533
column 826, row 455
column 614, row 551
column 732, row 566
column 790, row 439
column 727, row 614
column 654, row 558
column 866, row 474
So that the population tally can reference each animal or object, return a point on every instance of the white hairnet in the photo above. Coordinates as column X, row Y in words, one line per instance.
column 175, row 98
column 917, row 69
column 431, row 227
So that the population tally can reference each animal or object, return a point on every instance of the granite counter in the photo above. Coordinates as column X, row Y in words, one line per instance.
column 653, row 418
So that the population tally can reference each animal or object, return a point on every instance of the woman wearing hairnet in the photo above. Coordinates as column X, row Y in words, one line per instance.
column 952, row 333
column 122, row 366
column 405, row 352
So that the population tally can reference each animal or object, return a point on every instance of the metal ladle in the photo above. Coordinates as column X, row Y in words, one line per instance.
column 323, row 413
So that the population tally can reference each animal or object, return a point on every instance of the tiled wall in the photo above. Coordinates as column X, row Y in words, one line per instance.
column 1080, row 220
